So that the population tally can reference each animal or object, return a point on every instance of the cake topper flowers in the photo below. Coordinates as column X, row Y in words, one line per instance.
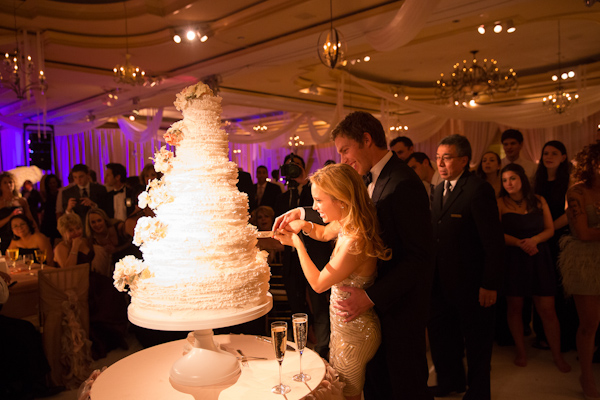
column 162, row 160
column 174, row 134
column 191, row 92
column 127, row 272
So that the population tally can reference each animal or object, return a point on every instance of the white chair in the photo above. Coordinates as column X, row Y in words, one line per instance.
column 64, row 321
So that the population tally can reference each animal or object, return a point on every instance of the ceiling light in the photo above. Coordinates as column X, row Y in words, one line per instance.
column 177, row 38
column 467, row 82
column 132, row 117
column 190, row 35
column 128, row 73
column 510, row 26
column 331, row 45
column 367, row 59
column 203, row 38
column 497, row 27
column 560, row 100
column 571, row 74
column 481, row 29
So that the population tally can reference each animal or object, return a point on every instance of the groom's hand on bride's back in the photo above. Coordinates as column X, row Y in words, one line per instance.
column 357, row 303
column 284, row 219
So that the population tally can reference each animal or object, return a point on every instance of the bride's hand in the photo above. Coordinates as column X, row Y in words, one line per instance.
column 285, row 237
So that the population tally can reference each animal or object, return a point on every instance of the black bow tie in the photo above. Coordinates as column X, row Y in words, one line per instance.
column 118, row 191
column 368, row 178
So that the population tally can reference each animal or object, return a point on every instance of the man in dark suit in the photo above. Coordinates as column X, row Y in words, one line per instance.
column 402, row 290
column 299, row 195
column 245, row 185
column 121, row 200
column 469, row 243
column 84, row 194
column 266, row 192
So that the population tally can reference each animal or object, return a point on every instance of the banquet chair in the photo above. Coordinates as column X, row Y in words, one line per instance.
column 64, row 322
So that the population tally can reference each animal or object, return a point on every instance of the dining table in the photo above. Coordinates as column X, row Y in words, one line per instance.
column 23, row 301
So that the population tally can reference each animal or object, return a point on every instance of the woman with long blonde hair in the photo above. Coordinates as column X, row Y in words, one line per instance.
column 342, row 201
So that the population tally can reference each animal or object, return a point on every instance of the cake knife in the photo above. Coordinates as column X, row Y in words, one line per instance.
column 266, row 339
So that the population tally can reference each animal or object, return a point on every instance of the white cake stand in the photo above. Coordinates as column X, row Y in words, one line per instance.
column 205, row 364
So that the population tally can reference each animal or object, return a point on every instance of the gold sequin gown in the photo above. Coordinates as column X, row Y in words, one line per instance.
column 352, row 344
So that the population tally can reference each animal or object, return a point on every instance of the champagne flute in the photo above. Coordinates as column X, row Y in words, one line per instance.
column 41, row 257
column 300, row 322
column 28, row 260
column 12, row 255
column 279, row 339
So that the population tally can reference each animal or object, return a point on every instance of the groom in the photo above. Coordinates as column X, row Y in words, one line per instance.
column 402, row 290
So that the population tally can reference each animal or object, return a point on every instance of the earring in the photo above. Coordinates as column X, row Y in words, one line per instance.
column 342, row 207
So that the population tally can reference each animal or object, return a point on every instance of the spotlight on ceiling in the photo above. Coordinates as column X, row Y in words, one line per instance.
column 177, row 38
column 481, row 29
column 203, row 38
column 510, row 26
column 497, row 27
column 190, row 35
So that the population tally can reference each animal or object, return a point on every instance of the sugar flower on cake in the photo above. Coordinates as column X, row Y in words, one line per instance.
column 191, row 92
column 174, row 134
column 127, row 271
column 156, row 194
column 162, row 160
column 148, row 229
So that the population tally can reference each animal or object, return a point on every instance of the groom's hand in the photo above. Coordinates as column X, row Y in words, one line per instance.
column 284, row 219
column 355, row 305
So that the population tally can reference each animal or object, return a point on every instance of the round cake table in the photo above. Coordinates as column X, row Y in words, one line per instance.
column 145, row 374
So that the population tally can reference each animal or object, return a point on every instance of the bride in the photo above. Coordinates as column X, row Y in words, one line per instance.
column 341, row 199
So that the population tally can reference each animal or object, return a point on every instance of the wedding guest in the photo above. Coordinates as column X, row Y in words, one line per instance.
column 489, row 170
column 10, row 204
column 578, row 260
column 84, row 194
column 34, row 199
column 512, row 142
column 263, row 218
column 106, row 233
column 275, row 180
column 108, row 310
column 552, row 179
column 527, row 225
column 148, row 173
column 344, row 204
column 468, row 273
column 28, row 241
column 266, row 192
column 51, row 184
column 402, row 146
column 76, row 249
column 422, row 166
column 121, row 202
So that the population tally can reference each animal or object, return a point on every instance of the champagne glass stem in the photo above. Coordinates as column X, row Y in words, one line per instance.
column 280, row 362
column 301, row 361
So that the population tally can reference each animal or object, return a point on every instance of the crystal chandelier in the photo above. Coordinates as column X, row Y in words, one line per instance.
column 19, row 74
column 467, row 83
column 128, row 73
column 560, row 100
column 331, row 45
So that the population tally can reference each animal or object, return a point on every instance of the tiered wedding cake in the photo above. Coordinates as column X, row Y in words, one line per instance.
column 200, row 254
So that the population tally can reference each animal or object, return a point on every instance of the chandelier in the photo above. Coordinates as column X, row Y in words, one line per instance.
column 467, row 83
column 128, row 73
column 18, row 71
column 331, row 45
column 560, row 101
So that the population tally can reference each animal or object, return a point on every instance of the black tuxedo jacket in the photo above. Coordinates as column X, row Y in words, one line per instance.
column 245, row 185
column 469, row 240
column 97, row 195
column 130, row 202
column 269, row 198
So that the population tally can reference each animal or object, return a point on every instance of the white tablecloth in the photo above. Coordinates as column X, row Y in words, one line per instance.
column 145, row 375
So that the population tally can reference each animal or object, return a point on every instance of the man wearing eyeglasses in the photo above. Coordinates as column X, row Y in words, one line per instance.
column 468, row 242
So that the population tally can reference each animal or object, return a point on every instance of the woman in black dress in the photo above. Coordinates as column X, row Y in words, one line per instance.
column 527, row 224
column 10, row 204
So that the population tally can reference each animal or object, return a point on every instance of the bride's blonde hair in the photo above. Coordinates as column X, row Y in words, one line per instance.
column 359, row 217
